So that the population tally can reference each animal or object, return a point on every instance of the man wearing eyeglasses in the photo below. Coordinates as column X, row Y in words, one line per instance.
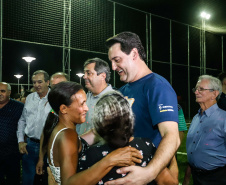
column 206, row 138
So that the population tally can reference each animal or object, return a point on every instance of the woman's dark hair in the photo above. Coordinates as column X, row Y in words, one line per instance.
column 113, row 119
column 60, row 94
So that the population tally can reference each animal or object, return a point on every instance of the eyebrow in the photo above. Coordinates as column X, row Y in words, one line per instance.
column 115, row 57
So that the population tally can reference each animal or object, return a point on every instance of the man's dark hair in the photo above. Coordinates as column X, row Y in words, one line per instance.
column 46, row 75
column 100, row 67
column 128, row 41
column 222, row 76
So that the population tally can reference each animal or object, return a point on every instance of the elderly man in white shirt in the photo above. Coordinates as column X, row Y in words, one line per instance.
column 31, row 123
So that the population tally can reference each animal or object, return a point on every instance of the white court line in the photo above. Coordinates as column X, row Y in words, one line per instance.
column 181, row 153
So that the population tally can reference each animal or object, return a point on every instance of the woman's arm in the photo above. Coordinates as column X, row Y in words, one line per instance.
column 68, row 155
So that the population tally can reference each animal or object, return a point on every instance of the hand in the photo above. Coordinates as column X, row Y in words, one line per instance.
column 39, row 167
column 125, row 156
column 137, row 176
column 22, row 148
column 51, row 179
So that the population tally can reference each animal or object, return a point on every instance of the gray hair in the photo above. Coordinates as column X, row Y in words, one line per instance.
column 46, row 75
column 60, row 74
column 100, row 67
column 114, row 119
column 214, row 83
column 8, row 85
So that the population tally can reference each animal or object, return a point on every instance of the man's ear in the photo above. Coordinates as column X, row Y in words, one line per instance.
column 63, row 109
column 134, row 53
column 224, row 81
column 103, row 76
column 47, row 82
column 215, row 93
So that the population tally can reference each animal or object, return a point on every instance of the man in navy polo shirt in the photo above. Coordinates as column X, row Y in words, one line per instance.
column 206, row 138
column 153, row 101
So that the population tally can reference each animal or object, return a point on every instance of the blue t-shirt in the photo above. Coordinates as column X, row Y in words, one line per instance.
column 206, row 139
column 153, row 101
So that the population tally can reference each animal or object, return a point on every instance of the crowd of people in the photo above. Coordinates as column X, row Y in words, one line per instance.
column 109, row 136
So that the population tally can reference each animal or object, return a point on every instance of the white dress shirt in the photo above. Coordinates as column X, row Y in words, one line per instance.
column 33, row 117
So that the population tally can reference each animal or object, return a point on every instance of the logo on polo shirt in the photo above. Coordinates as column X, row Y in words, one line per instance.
column 130, row 100
column 165, row 108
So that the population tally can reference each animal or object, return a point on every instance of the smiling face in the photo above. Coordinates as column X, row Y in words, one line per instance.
column 92, row 80
column 4, row 94
column 122, row 63
column 40, row 86
column 78, row 108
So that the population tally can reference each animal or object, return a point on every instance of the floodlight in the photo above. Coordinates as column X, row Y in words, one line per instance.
column 80, row 75
column 29, row 59
column 205, row 15
column 18, row 77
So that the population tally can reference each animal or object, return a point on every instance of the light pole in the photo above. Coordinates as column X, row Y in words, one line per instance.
column 80, row 75
column 18, row 77
column 205, row 16
column 29, row 60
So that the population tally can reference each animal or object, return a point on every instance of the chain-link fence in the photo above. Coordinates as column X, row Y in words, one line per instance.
column 39, row 27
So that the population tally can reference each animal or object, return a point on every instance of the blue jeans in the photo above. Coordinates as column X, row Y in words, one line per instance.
column 29, row 162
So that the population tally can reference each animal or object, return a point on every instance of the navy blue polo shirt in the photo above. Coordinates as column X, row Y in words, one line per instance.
column 153, row 101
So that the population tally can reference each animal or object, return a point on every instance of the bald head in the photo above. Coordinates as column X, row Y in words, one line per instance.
column 57, row 78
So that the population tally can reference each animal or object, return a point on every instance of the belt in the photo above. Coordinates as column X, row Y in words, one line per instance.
column 205, row 172
column 33, row 139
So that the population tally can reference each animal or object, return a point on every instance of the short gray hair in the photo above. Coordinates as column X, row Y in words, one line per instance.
column 8, row 85
column 60, row 74
column 113, row 119
column 46, row 75
column 214, row 83
column 100, row 67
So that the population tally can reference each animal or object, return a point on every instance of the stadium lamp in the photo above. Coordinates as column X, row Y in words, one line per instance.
column 80, row 75
column 29, row 60
column 18, row 77
column 205, row 15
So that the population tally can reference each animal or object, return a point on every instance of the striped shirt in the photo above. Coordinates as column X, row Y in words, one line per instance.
column 182, row 123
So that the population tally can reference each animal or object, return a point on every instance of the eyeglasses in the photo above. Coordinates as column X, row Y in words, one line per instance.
column 200, row 89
